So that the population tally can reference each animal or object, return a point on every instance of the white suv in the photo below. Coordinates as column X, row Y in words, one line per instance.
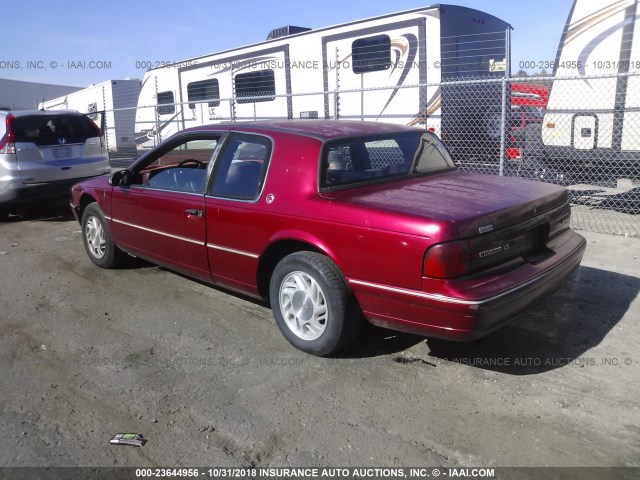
column 43, row 153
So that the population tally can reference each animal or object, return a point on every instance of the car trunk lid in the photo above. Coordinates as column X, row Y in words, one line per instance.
column 496, row 220
column 476, row 204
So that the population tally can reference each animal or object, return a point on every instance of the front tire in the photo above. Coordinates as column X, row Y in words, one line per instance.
column 97, row 238
column 312, row 305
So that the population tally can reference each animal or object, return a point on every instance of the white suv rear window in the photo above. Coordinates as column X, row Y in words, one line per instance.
column 46, row 130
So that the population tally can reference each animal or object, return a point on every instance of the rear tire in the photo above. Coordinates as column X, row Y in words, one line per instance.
column 4, row 216
column 312, row 305
column 97, row 238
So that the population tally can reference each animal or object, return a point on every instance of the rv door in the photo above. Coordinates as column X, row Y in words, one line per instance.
column 261, row 84
column 203, row 96
column 386, row 56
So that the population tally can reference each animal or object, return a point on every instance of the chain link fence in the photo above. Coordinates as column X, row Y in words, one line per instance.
column 579, row 132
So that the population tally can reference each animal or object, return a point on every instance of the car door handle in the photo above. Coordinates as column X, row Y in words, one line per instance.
column 193, row 211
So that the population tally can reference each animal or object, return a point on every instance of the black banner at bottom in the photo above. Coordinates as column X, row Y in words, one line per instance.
column 320, row 473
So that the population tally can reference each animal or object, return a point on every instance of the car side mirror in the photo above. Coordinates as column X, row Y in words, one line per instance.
column 116, row 178
column 127, row 178
column 121, row 178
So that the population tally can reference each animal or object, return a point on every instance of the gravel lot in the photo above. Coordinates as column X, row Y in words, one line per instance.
column 208, row 379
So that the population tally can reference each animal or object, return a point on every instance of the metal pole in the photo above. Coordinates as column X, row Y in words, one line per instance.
column 106, row 119
column 336, row 98
column 232, row 107
column 362, row 97
column 157, row 129
column 505, row 105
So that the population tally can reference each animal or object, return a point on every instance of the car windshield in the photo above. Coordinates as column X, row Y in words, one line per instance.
column 382, row 157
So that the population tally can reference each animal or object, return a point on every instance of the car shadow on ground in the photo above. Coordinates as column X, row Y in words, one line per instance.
column 58, row 211
column 558, row 332
column 375, row 342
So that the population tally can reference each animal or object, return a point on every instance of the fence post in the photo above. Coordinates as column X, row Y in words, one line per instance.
column 232, row 106
column 106, row 120
column 506, row 107
column 362, row 97
column 157, row 127
column 336, row 95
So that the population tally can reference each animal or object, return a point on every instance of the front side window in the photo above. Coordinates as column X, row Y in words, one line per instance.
column 242, row 167
column 182, row 168
column 166, row 103
column 256, row 86
column 382, row 157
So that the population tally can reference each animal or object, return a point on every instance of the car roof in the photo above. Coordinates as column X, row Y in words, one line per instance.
column 30, row 113
column 319, row 129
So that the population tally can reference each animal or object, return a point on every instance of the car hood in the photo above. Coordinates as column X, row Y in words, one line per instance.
column 470, row 201
column 101, row 181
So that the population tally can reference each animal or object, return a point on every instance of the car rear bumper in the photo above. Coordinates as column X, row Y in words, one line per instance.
column 466, row 319
column 15, row 193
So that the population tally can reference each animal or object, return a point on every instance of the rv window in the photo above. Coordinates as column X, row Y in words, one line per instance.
column 371, row 54
column 204, row 90
column 165, row 103
column 258, row 86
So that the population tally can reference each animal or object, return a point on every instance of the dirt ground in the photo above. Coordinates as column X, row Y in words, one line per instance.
column 208, row 379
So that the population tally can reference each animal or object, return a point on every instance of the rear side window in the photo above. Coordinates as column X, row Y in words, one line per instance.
column 46, row 130
column 242, row 168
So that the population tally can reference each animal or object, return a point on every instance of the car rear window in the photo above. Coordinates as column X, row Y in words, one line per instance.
column 378, row 158
column 46, row 130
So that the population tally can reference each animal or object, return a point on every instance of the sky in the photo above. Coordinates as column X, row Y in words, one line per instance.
column 79, row 43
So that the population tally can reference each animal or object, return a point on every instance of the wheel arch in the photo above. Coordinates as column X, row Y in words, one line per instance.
column 85, row 199
column 280, row 247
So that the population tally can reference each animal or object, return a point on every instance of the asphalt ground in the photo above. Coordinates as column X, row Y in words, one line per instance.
column 208, row 379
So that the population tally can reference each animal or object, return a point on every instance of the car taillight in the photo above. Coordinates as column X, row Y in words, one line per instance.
column 7, row 142
column 513, row 153
column 97, row 129
column 447, row 260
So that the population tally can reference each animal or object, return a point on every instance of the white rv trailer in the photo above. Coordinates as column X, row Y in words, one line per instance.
column 266, row 80
column 594, row 120
column 110, row 97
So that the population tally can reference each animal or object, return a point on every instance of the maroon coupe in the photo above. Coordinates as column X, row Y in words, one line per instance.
column 336, row 221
